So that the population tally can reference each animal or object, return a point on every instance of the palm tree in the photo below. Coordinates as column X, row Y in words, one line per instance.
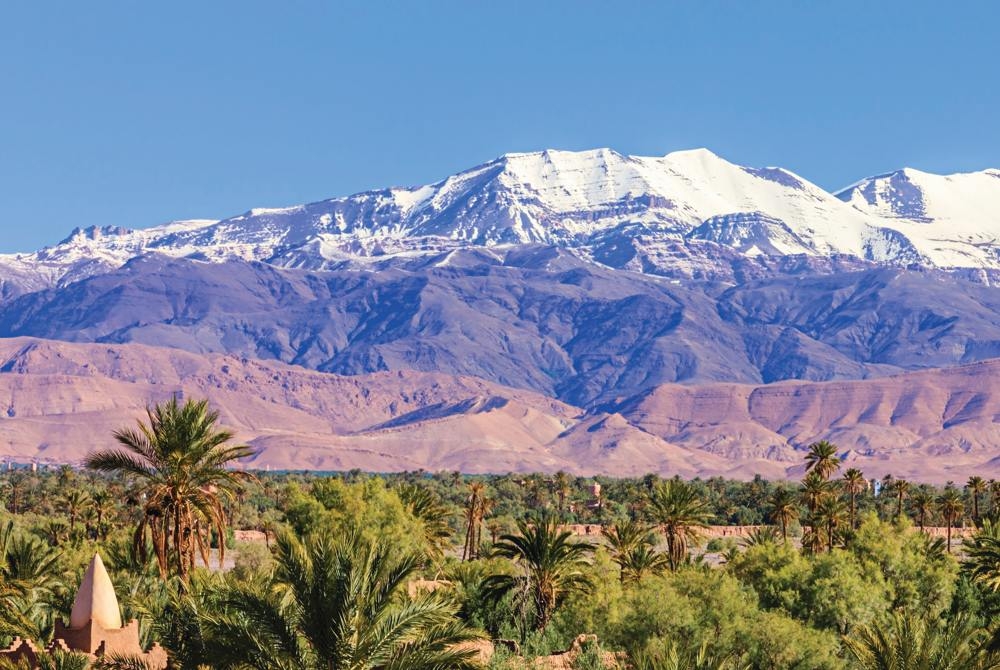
column 631, row 547
column 976, row 486
column 432, row 514
column 784, row 510
column 75, row 501
column 55, row 531
column 982, row 552
column 179, row 460
column 951, row 506
column 550, row 566
column 28, row 577
column 822, row 459
column 907, row 641
column 641, row 561
column 678, row 658
column 332, row 605
column 17, row 483
column 476, row 508
column 994, row 487
column 922, row 503
column 681, row 513
column 815, row 489
column 830, row 515
column 900, row 489
column 101, row 503
column 563, row 489
column 854, row 484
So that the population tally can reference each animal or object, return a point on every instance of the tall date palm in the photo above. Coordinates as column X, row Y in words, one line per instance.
column 922, row 504
column 549, row 565
column 783, row 509
column 822, row 459
column 901, row 490
column 951, row 507
column 976, row 486
column 179, row 461
column 854, row 484
column 681, row 512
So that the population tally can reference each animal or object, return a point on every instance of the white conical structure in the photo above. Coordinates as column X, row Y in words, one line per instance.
column 96, row 600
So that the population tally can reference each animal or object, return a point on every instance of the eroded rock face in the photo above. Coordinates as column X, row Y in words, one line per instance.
column 588, row 281
column 535, row 319
column 65, row 399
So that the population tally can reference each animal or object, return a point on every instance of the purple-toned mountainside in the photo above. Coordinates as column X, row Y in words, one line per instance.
column 538, row 319
column 587, row 278
column 62, row 400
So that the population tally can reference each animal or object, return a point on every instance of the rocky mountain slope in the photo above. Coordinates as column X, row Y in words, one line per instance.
column 534, row 319
column 62, row 400
column 687, row 214
column 584, row 279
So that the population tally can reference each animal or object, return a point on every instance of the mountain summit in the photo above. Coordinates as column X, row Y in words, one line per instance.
column 670, row 215
column 588, row 280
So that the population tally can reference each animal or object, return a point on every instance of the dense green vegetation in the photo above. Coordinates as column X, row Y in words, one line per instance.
column 408, row 570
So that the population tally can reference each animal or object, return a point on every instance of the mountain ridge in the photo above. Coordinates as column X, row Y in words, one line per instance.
column 584, row 201
column 62, row 400
column 576, row 289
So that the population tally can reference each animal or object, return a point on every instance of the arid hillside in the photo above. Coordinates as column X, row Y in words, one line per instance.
column 62, row 400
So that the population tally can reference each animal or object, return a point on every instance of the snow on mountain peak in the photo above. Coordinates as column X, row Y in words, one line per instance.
column 595, row 203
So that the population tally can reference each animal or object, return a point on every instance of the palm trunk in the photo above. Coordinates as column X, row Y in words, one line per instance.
column 854, row 496
column 180, row 546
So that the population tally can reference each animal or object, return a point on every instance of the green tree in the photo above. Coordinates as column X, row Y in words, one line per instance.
column 783, row 509
column 100, row 503
column 951, row 507
column 976, row 486
column 563, row 488
column 631, row 547
column 681, row 512
column 477, row 506
column 982, row 552
column 642, row 561
column 900, row 490
column 335, row 605
column 922, row 503
column 179, row 460
column 830, row 515
column 28, row 577
column 854, row 484
column 841, row 592
column 75, row 502
column 814, row 489
column 918, row 576
column 549, row 565
column 433, row 515
column 909, row 642
column 822, row 459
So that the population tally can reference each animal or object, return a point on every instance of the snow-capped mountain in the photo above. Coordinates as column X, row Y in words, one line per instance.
column 952, row 219
column 674, row 214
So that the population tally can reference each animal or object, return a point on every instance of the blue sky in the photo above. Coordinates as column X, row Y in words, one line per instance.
column 134, row 113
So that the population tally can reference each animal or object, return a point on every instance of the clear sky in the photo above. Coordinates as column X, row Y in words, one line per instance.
column 135, row 113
